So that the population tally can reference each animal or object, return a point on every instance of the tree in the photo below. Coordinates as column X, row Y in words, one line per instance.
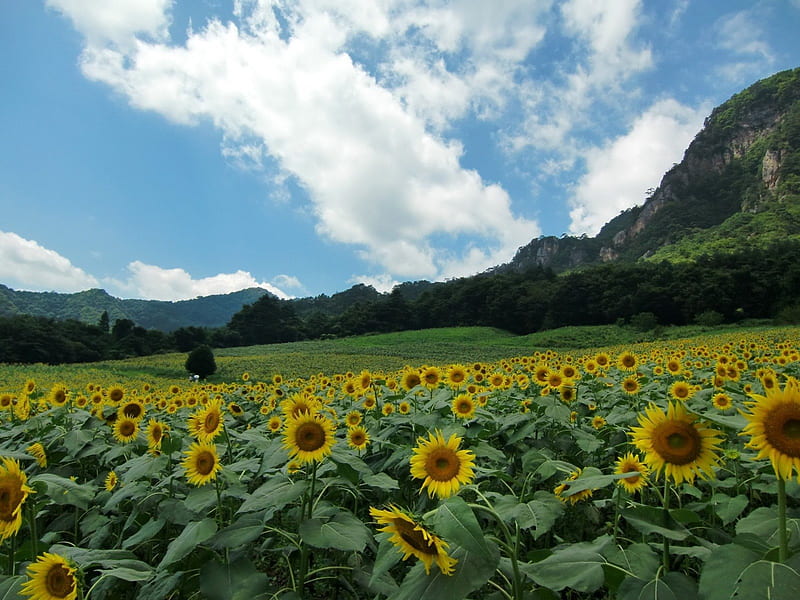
column 104, row 323
column 201, row 362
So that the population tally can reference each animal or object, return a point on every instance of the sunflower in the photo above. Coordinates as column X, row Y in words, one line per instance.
column 674, row 366
column 567, row 393
column 680, row 390
column 441, row 464
column 602, row 360
column 309, row 437
column 430, row 377
column 274, row 424
column 365, row 379
column 353, row 418
column 6, row 401
column 126, row 429
column 155, row 433
column 456, row 375
column 627, row 361
column 631, row 385
column 774, row 427
column 675, row 443
column 29, row 386
column 207, row 422
column 37, row 451
column 133, row 409
column 413, row 539
column 560, row 490
column 722, row 401
column 463, row 406
column 598, row 422
column 369, row 402
column 235, row 409
column 201, row 463
column 404, row 408
column 388, row 408
column 111, row 481
column 58, row 395
column 296, row 404
column 13, row 492
column 628, row 464
column 357, row 438
column 115, row 393
column 51, row 577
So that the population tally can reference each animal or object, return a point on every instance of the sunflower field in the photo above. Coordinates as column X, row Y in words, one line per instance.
column 662, row 470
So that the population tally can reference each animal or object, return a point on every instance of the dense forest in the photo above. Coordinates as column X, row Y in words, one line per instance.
column 716, row 288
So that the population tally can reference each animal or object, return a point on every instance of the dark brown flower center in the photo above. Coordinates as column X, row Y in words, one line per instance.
column 782, row 429
column 310, row 436
column 442, row 464
column 204, row 462
column 59, row 582
column 127, row 428
column 211, row 421
column 677, row 442
column 414, row 538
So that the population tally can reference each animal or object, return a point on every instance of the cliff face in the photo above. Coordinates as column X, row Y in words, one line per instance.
column 746, row 150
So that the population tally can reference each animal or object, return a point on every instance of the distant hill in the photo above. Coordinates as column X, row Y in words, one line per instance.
column 88, row 306
column 737, row 187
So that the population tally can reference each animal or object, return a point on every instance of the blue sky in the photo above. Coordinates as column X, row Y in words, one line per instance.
column 169, row 149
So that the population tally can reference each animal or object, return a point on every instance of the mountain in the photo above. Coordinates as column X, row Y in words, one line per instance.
column 88, row 306
column 738, row 186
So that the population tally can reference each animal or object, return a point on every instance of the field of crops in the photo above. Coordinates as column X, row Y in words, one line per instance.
column 661, row 470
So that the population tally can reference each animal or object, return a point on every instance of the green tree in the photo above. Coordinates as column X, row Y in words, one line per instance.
column 201, row 362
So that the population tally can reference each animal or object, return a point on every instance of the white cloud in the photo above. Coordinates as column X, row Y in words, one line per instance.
column 156, row 283
column 24, row 264
column 383, row 283
column 741, row 34
column 287, row 282
column 606, row 56
column 621, row 171
column 116, row 21
column 376, row 174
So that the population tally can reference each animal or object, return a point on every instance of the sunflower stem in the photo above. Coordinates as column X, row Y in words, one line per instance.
column 666, row 523
column 512, row 543
column 11, row 555
column 783, row 549
column 32, row 525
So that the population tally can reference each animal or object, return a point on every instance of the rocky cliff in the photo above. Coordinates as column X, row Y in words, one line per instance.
column 746, row 155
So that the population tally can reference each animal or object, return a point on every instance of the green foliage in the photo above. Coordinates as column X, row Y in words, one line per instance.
column 709, row 318
column 201, row 362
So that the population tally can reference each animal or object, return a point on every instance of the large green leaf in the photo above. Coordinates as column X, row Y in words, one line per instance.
column 455, row 522
column 11, row 586
column 343, row 532
column 388, row 556
column 65, row 491
column 719, row 575
column 728, row 508
column 145, row 532
column 273, row 495
column 244, row 530
column 764, row 579
column 471, row 572
column 672, row 586
column 577, row 566
column 649, row 519
column 194, row 534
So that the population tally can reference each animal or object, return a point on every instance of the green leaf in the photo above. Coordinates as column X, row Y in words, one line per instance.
column 145, row 466
column 728, row 508
column 200, row 498
column 244, row 530
column 455, row 522
column 763, row 522
column 649, row 519
column 764, row 579
column 639, row 559
column 146, row 532
column 276, row 493
column 194, row 534
column 381, row 481
column 577, row 566
column 343, row 532
column 718, row 577
column 388, row 556
column 65, row 491
column 540, row 514
column 471, row 572
column 10, row 587
column 672, row 586
column 128, row 574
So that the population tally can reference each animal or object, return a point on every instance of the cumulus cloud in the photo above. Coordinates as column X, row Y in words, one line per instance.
column 742, row 35
column 619, row 173
column 367, row 147
column 156, row 283
column 118, row 21
column 24, row 264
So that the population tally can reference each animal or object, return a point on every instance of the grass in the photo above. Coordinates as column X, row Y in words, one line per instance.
column 380, row 352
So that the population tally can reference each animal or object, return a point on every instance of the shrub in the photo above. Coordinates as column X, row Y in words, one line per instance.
column 201, row 362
